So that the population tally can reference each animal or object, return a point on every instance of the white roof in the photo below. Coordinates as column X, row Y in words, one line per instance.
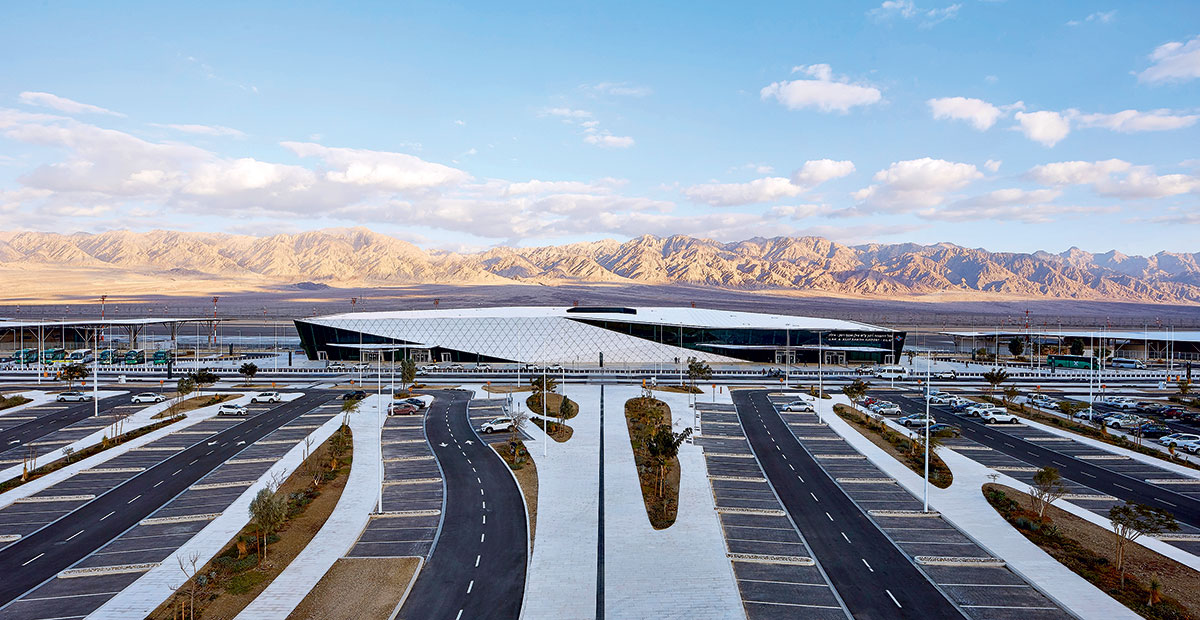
column 99, row 322
column 688, row 317
column 1108, row 334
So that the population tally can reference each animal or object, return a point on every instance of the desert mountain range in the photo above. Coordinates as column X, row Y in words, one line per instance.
column 358, row 256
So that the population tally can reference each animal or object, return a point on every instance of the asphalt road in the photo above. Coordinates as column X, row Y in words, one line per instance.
column 33, row 430
column 478, row 565
column 874, row 579
column 43, row 554
column 1184, row 508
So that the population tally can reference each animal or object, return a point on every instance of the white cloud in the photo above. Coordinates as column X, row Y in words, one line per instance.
column 1105, row 177
column 981, row 114
column 729, row 194
column 906, row 9
column 916, row 183
column 1133, row 121
column 824, row 92
column 618, row 89
column 382, row 169
column 203, row 130
column 1045, row 127
column 607, row 140
column 817, row 171
column 534, row 186
column 1077, row 172
column 992, row 165
column 799, row 212
column 460, row 122
column 569, row 113
column 1173, row 62
column 62, row 104
column 1105, row 17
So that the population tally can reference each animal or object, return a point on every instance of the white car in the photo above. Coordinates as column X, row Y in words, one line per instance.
column 482, row 368
column 996, row 415
column 266, row 397
column 147, row 397
column 976, row 410
column 916, row 419
column 231, row 409
column 939, row 399
column 1121, row 402
column 955, row 401
column 798, row 405
column 888, row 409
column 554, row 368
column 1174, row 439
column 74, row 397
column 1192, row 446
column 338, row 366
column 1122, row 420
column 946, row 375
column 495, row 425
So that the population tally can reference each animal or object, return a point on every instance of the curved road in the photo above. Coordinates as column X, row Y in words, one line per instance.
column 478, row 565
column 1184, row 508
column 874, row 579
column 41, row 555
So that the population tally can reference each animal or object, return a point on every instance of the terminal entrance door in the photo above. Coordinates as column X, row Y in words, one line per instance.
column 835, row 358
column 785, row 357
column 420, row 356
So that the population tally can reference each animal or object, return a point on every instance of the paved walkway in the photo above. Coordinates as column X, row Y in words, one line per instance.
column 340, row 531
column 964, row 505
column 696, row 578
column 156, row 585
column 561, row 583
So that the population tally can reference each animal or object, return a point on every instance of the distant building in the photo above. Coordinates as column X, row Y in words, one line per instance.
column 1148, row 345
column 591, row 336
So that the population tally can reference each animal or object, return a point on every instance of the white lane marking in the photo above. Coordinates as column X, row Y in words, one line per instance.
column 133, row 500
column 1087, row 474
column 478, row 480
column 459, row 615
column 477, row 561
column 74, row 535
column 481, row 491
column 814, row 498
column 1122, row 486
column 830, row 516
column 793, row 467
column 889, row 593
column 485, row 519
column 784, row 456
column 177, row 471
column 1163, row 501
column 868, row 565
column 846, row 537
column 33, row 558
column 108, row 515
column 801, row 479
column 470, row 585
column 485, row 505
column 193, row 461
column 481, row 537
column 157, row 483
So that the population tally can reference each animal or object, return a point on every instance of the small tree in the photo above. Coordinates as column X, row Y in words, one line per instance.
column 1047, row 488
column 68, row 451
column 662, row 444
column 248, row 370
column 72, row 373
column 1132, row 520
column 1071, row 407
column 269, row 512
column 1011, row 393
column 697, row 369
column 519, row 418
column 408, row 372
column 203, row 377
column 994, row 378
column 1184, row 386
column 184, row 387
column 856, row 390
column 564, row 409
column 1016, row 346
column 1076, row 346
column 543, row 384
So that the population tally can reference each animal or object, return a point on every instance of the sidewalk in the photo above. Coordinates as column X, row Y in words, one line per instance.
column 561, row 583
column 141, row 597
column 690, row 575
column 964, row 505
column 340, row 531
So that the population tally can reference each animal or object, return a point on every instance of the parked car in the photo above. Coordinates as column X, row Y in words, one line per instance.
column 938, row 398
column 888, row 409
column 482, row 368
column 1191, row 417
column 1175, row 439
column 973, row 411
column 945, row 430
column 1122, row 420
column 798, row 405
column 421, row 400
column 916, row 419
column 495, row 425
column 402, row 408
column 1192, row 446
column 946, row 375
column 1151, row 429
column 998, row 415
column 1121, row 402
column 957, row 401
column 336, row 366
column 1152, row 407
column 865, row 370
column 354, row 395
column 147, row 397
column 266, row 397
column 1088, row 414
column 1172, row 413
column 455, row 367
column 891, row 372
column 555, row 368
column 1041, row 400
column 773, row 372
column 231, row 409
column 73, row 397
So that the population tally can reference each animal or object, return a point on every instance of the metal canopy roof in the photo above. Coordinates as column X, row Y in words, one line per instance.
column 102, row 323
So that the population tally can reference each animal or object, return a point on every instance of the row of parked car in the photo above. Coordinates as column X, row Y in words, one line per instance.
column 1182, row 441
column 915, row 420
column 1137, row 425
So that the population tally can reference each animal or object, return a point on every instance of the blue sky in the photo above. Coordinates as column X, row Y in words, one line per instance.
column 1000, row 124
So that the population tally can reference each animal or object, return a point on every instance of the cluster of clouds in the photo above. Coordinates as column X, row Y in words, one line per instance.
column 591, row 131
column 909, row 11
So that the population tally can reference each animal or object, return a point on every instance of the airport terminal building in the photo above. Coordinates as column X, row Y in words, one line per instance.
column 591, row 336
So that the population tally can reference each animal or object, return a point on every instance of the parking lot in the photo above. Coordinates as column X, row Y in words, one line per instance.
column 14, row 451
column 101, row 575
column 776, row 574
column 412, row 494
column 987, row 590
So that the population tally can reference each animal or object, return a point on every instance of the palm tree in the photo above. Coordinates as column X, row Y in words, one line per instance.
column 855, row 391
column 995, row 377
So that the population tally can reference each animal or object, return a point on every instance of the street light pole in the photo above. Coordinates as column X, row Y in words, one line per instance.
column 928, row 390
column 820, row 378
